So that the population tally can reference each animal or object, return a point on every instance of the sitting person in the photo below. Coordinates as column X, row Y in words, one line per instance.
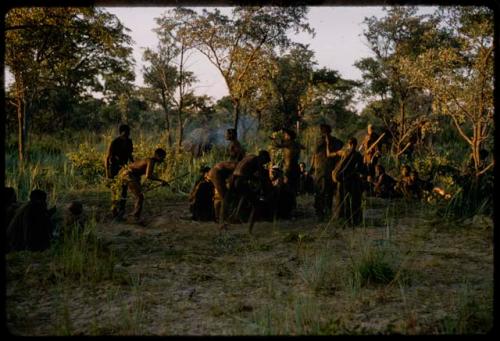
column 419, row 186
column 306, row 183
column 31, row 228
column 383, row 186
column 73, row 220
column 11, row 204
column 403, row 186
column 201, row 198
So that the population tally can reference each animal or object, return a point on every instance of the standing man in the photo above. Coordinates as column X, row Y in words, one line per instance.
column 130, row 178
column 291, row 155
column 235, row 150
column 347, row 174
column 119, row 154
column 371, row 149
column 322, row 165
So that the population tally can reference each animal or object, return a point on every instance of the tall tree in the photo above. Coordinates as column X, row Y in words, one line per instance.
column 160, row 76
column 400, row 34
column 460, row 77
column 61, row 53
column 329, row 99
column 168, row 71
column 232, row 43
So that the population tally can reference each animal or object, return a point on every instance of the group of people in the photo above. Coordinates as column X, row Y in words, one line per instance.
column 248, row 187
column 33, row 226
column 244, row 187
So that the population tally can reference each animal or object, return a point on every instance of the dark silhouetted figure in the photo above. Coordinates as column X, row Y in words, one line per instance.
column 418, row 186
column 348, row 177
column 73, row 219
column 306, row 182
column 371, row 150
column 291, row 155
column 201, row 198
column 383, row 184
column 31, row 228
column 250, row 180
column 323, row 162
column 235, row 150
column 10, row 204
column 280, row 200
column 119, row 154
column 130, row 178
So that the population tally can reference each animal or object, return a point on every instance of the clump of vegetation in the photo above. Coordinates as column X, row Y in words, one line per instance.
column 88, row 163
column 469, row 316
column 81, row 255
column 371, row 266
column 318, row 271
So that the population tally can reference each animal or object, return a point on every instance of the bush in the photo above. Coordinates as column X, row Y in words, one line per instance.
column 88, row 162
column 371, row 267
column 81, row 255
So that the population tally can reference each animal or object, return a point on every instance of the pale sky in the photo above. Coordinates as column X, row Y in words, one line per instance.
column 338, row 43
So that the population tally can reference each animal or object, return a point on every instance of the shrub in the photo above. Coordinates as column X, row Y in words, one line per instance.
column 370, row 267
column 88, row 163
column 82, row 256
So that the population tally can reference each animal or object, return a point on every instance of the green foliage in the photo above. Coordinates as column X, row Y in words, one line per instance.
column 88, row 163
column 317, row 271
column 235, row 44
column 467, row 65
column 55, row 74
column 81, row 255
column 50, row 173
column 371, row 266
column 469, row 317
column 401, row 34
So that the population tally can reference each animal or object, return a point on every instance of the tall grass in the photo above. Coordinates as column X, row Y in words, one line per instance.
column 469, row 316
column 300, row 316
column 80, row 255
column 369, row 265
column 317, row 271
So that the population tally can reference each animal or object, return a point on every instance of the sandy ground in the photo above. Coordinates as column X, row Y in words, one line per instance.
column 175, row 276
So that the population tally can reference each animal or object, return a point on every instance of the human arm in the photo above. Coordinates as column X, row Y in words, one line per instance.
column 149, row 172
column 107, row 161
column 331, row 153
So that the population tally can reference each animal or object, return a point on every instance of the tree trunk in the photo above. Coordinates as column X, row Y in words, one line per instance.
column 403, row 128
column 167, row 119
column 475, row 148
column 236, row 113
column 22, row 122
column 169, row 137
column 180, row 127
column 21, row 119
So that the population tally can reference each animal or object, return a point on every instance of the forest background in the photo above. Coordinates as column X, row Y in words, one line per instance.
column 413, row 267
column 428, row 84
